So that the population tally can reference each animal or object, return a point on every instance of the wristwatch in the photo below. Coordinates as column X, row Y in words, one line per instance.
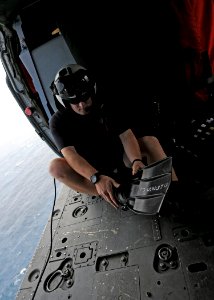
column 95, row 177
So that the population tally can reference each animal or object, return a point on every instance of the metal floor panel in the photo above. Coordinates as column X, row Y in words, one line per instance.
column 102, row 253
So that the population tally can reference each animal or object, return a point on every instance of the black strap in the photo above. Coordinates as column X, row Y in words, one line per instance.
column 137, row 159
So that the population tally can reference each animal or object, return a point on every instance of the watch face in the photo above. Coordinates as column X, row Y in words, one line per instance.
column 95, row 178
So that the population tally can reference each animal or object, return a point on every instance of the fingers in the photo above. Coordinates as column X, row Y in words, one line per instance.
column 114, row 204
column 115, row 184
column 113, row 201
column 110, row 199
column 135, row 170
column 137, row 167
column 105, row 190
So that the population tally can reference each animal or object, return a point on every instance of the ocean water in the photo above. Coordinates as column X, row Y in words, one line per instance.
column 26, row 199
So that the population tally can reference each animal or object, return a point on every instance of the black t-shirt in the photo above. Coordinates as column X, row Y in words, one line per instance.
column 95, row 136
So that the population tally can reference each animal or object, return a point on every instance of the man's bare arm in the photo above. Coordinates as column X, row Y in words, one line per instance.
column 104, row 186
column 77, row 162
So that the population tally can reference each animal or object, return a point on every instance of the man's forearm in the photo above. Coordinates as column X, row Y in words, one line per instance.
column 79, row 164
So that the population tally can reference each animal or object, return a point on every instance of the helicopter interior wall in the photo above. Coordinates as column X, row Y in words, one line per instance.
column 134, row 59
column 130, row 55
column 48, row 59
column 47, row 49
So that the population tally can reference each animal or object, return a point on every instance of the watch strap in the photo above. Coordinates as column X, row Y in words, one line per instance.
column 137, row 159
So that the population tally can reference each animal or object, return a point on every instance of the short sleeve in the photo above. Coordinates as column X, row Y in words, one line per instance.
column 60, row 130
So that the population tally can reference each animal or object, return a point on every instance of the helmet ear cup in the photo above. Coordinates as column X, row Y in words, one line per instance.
column 53, row 88
column 56, row 95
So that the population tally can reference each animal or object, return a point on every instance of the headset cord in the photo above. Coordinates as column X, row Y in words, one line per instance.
column 51, row 242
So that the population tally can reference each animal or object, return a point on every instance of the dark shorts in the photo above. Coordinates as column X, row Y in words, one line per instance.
column 143, row 130
column 143, row 125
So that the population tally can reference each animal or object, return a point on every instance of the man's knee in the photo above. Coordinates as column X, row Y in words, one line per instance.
column 58, row 167
column 148, row 142
column 150, row 139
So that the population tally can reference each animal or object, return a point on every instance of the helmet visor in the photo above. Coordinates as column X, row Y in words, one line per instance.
column 75, row 99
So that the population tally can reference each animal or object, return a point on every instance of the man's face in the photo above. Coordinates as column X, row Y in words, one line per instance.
column 82, row 108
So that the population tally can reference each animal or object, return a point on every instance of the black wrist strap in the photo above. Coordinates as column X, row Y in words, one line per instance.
column 137, row 159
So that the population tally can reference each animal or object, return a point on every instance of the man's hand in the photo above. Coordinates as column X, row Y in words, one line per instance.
column 105, row 188
column 137, row 166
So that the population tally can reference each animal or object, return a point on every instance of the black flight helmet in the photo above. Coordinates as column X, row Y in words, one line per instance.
column 73, row 84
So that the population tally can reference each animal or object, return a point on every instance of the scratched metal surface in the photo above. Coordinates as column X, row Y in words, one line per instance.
column 102, row 253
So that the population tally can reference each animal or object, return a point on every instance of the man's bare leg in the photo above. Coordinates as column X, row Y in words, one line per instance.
column 153, row 151
column 60, row 170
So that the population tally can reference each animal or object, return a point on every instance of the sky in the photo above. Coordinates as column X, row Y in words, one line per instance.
column 14, row 126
